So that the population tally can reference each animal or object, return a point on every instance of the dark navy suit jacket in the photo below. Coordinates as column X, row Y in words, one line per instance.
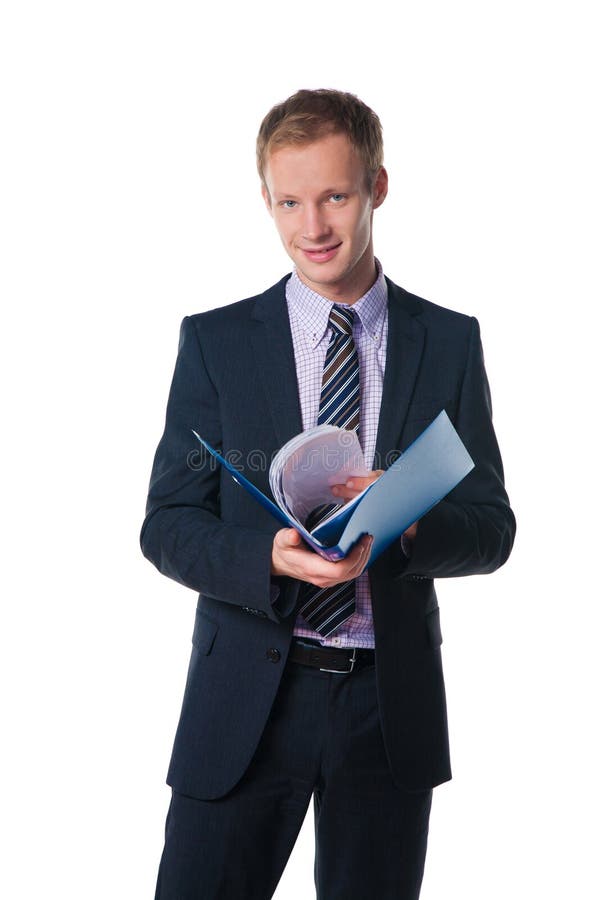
column 235, row 383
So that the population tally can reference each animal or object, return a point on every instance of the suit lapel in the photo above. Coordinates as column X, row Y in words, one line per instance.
column 273, row 348
column 405, row 343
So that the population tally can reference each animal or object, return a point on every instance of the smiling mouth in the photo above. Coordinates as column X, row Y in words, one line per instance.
column 319, row 252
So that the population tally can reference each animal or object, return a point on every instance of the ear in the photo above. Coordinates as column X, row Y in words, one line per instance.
column 266, row 198
column 380, row 187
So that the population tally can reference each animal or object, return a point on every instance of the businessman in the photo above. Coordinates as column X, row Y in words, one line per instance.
column 309, row 677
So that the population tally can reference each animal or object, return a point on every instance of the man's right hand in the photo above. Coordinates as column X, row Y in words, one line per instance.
column 290, row 556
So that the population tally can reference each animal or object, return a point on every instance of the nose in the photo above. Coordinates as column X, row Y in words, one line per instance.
column 315, row 226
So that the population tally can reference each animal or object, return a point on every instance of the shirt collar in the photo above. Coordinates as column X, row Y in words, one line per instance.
column 311, row 310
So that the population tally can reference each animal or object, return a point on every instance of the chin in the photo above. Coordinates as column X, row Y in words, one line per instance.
column 322, row 278
column 322, row 274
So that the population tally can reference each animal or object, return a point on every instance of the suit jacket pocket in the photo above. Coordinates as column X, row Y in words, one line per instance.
column 434, row 628
column 205, row 631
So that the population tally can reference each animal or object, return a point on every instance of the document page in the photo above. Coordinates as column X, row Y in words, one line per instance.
column 305, row 469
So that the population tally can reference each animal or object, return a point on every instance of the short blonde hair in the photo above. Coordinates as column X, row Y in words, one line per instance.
column 307, row 116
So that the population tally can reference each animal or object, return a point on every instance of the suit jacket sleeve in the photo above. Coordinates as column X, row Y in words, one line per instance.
column 182, row 533
column 472, row 530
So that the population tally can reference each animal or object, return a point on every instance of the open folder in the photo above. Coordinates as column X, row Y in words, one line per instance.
column 304, row 470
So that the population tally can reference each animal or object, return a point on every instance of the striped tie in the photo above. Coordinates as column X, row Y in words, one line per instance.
column 325, row 609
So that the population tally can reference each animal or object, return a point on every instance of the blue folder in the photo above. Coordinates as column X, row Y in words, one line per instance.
column 422, row 476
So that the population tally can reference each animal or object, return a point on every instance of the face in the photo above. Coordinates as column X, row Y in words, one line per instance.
column 323, row 211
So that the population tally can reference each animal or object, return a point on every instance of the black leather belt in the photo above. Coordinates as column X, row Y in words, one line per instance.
column 330, row 659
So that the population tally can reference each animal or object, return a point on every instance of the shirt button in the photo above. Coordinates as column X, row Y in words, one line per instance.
column 273, row 655
column 337, row 641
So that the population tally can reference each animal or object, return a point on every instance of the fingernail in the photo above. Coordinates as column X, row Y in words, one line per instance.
column 350, row 483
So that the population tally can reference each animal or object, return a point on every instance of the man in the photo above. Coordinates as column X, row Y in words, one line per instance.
column 309, row 677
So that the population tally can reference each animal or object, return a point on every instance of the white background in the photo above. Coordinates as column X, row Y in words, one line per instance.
column 128, row 200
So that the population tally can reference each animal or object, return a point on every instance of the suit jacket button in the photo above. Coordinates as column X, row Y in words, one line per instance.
column 273, row 655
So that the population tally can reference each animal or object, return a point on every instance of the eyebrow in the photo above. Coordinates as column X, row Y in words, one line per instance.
column 338, row 189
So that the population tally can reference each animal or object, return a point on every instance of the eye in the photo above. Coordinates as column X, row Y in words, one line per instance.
column 337, row 198
column 288, row 204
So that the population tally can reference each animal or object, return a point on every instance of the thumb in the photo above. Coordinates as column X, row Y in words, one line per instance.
column 289, row 537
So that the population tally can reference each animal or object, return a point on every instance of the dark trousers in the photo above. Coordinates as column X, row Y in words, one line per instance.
column 323, row 737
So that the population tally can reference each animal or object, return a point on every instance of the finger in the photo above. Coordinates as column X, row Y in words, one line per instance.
column 367, row 543
column 343, row 493
column 360, row 482
column 355, row 484
column 368, row 552
column 288, row 537
column 325, row 573
column 411, row 531
column 357, row 559
column 351, row 488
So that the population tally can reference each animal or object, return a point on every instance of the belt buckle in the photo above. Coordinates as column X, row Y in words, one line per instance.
column 343, row 671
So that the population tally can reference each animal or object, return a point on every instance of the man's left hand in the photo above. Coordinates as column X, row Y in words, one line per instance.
column 356, row 484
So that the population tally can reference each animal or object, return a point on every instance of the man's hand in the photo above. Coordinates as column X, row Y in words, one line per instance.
column 356, row 484
column 291, row 557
